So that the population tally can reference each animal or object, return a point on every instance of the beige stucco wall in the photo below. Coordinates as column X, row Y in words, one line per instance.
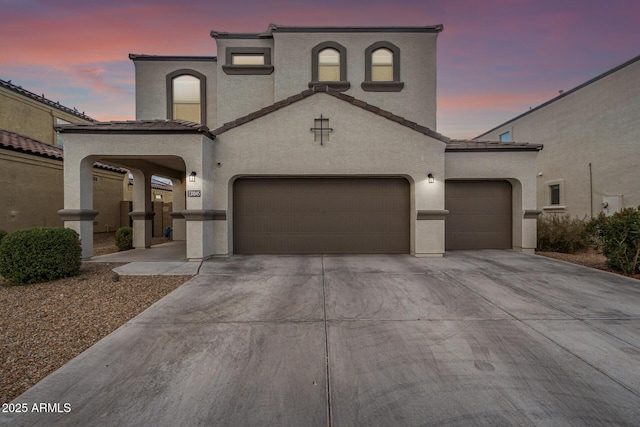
column 32, row 193
column 29, row 117
column 597, row 124
column 519, row 169
column 172, row 156
column 416, row 102
column 240, row 95
column 151, row 87
column 361, row 144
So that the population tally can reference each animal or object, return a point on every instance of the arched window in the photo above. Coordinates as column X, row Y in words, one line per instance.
column 382, row 65
column 186, row 96
column 382, row 68
column 329, row 66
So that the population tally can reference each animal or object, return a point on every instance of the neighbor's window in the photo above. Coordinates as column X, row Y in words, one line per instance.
column 329, row 65
column 186, row 98
column 244, row 59
column 554, row 191
column 382, row 65
column 505, row 137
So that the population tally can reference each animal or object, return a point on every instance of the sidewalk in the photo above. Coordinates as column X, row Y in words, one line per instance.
column 164, row 259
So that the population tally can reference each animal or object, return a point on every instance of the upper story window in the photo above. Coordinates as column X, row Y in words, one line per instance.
column 329, row 66
column 382, row 68
column 505, row 137
column 186, row 96
column 247, row 61
column 382, row 65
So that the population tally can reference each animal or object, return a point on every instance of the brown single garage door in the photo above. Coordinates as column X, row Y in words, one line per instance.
column 479, row 215
column 320, row 215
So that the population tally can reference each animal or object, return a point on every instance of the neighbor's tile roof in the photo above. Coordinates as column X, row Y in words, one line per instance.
column 466, row 145
column 137, row 126
column 41, row 98
column 347, row 98
column 17, row 142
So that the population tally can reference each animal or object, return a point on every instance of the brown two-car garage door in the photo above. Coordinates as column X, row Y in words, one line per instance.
column 479, row 215
column 321, row 215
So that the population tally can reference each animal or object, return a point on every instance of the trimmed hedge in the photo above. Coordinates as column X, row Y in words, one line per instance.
column 36, row 255
column 618, row 238
column 2, row 234
column 124, row 238
column 561, row 233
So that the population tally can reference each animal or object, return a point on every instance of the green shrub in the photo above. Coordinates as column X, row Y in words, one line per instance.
column 618, row 238
column 561, row 233
column 40, row 255
column 2, row 234
column 124, row 238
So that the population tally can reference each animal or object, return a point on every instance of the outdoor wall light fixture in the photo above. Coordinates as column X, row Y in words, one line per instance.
column 192, row 176
column 430, row 179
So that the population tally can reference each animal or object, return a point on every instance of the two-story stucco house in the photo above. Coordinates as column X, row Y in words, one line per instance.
column 591, row 135
column 307, row 140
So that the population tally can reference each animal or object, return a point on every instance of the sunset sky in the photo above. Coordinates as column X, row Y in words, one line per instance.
column 496, row 58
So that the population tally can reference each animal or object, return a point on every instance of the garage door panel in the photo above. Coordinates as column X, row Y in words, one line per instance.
column 479, row 215
column 321, row 215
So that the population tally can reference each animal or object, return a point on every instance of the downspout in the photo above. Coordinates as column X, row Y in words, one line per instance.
column 591, row 188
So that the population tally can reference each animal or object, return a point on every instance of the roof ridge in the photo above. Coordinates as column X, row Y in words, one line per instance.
column 41, row 98
column 323, row 88
column 566, row 93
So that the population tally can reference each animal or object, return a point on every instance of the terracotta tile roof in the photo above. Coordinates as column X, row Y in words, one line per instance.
column 136, row 126
column 17, row 142
column 41, row 98
column 347, row 98
column 466, row 145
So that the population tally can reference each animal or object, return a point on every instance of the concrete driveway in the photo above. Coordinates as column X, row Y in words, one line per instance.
column 475, row 338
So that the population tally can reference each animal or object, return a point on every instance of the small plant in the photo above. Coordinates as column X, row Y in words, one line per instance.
column 36, row 255
column 561, row 233
column 618, row 238
column 124, row 238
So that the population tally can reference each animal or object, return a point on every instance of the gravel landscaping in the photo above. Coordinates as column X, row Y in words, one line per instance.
column 43, row 326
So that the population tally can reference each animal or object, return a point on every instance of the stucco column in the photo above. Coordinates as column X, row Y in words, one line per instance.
column 142, row 213
column 178, row 223
column 78, row 213
column 429, row 219
column 199, row 214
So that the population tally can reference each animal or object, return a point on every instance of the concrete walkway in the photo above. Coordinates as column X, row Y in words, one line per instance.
column 163, row 259
column 475, row 338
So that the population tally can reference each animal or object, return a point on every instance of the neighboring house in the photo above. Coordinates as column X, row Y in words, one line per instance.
column 31, row 167
column 307, row 140
column 591, row 136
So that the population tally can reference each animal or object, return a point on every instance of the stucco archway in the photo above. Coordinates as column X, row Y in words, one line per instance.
column 173, row 149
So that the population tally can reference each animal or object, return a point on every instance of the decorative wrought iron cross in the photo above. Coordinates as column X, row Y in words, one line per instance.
column 322, row 129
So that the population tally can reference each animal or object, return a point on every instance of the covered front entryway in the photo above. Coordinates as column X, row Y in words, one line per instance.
column 479, row 215
column 321, row 215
